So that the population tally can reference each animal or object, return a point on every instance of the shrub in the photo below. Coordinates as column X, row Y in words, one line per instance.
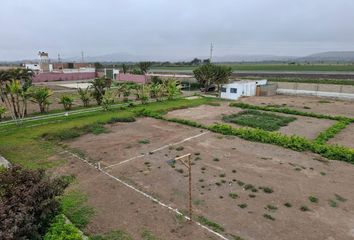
column 61, row 229
column 40, row 95
column 67, row 101
column 257, row 119
column 313, row 199
column 121, row 119
column 267, row 216
column 107, row 100
column 28, row 202
column 84, row 95
column 233, row 195
column 114, row 235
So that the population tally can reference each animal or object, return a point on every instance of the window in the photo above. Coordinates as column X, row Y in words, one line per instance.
column 223, row 89
column 233, row 90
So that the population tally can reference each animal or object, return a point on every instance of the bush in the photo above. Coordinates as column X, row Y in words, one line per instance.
column 60, row 229
column 114, row 235
column 67, row 101
column 2, row 111
column 121, row 119
column 84, row 95
column 28, row 202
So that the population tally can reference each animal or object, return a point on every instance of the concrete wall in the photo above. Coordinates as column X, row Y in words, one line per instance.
column 52, row 76
column 321, row 90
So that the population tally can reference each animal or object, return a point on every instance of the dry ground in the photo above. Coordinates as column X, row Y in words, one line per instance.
column 293, row 176
column 303, row 126
column 317, row 105
column 345, row 137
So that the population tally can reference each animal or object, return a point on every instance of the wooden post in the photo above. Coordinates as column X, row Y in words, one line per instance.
column 189, row 166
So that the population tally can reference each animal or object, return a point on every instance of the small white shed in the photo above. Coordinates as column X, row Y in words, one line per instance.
column 237, row 89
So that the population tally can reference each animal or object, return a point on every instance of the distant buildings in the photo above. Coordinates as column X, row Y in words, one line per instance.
column 46, row 71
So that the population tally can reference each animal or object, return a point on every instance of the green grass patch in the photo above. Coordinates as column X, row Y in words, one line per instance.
column 257, row 119
column 61, row 229
column 74, row 206
column 213, row 225
column 147, row 235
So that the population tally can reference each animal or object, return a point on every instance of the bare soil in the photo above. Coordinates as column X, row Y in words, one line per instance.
column 303, row 126
column 306, row 104
column 345, row 137
column 227, row 161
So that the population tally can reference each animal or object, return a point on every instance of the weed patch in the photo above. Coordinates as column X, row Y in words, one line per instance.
column 215, row 226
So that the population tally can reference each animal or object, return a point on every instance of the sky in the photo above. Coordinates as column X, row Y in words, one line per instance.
column 174, row 30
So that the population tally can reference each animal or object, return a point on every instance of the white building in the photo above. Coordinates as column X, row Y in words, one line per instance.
column 33, row 66
column 235, row 90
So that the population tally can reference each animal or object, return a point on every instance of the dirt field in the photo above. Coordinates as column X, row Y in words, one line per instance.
column 317, row 105
column 205, row 114
column 273, row 176
column 345, row 137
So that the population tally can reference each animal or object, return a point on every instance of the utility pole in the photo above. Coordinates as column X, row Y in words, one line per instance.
column 82, row 56
column 211, row 52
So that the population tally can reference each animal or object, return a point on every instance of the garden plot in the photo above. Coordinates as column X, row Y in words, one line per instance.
column 303, row 126
column 345, row 137
column 239, row 187
column 306, row 104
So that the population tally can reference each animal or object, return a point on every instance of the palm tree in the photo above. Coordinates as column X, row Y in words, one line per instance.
column 41, row 96
column 98, row 86
column 144, row 67
column 156, row 91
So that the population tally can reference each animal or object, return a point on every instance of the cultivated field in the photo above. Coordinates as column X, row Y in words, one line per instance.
column 238, row 185
column 247, row 182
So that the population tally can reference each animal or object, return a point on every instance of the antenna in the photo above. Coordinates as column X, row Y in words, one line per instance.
column 211, row 52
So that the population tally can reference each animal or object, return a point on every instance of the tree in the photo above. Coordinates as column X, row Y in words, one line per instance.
column 98, row 65
column 84, row 95
column 28, row 202
column 67, row 101
column 173, row 88
column 40, row 95
column 212, row 74
column 204, row 74
column 144, row 67
column 156, row 80
column 221, row 75
column 125, row 68
column 196, row 61
column 14, row 84
column 98, row 85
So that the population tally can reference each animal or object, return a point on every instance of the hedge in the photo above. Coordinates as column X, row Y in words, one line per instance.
column 61, row 229
column 332, row 131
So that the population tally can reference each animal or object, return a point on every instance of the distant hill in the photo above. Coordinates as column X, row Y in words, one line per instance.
column 344, row 56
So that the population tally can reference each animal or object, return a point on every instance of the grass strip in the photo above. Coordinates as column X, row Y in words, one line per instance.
column 329, row 133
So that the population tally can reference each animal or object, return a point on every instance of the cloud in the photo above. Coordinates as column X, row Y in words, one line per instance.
column 167, row 29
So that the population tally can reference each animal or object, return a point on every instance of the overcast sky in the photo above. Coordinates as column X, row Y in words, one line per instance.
column 167, row 29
